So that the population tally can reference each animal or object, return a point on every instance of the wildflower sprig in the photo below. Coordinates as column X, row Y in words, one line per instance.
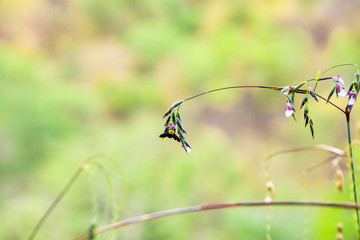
column 173, row 125
column 174, row 128
column 290, row 91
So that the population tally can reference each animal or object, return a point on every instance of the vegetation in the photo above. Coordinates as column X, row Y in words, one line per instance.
column 91, row 80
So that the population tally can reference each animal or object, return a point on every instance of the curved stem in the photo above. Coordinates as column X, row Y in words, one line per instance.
column 263, row 87
column 213, row 206
column 55, row 203
column 352, row 170
column 233, row 87
column 340, row 65
column 61, row 195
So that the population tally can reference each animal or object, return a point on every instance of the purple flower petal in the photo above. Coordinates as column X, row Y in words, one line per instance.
column 352, row 100
column 337, row 79
column 289, row 110
column 340, row 91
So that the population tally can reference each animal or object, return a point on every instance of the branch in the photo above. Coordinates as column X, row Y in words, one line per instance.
column 212, row 206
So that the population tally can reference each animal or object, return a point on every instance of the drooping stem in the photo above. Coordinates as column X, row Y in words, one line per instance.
column 213, row 206
column 301, row 91
column 352, row 169
column 233, row 87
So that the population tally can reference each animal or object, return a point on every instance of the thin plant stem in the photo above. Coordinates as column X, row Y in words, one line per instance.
column 263, row 87
column 352, row 170
column 213, row 206
column 233, row 87
column 60, row 196
column 56, row 202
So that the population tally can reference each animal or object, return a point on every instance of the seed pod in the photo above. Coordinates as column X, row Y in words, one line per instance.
column 180, row 125
column 293, row 97
column 311, row 124
column 313, row 94
column 284, row 90
column 351, row 87
column 178, row 115
column 339, row 236
column 330, row 94
column 307, row 120
column 297, row 87
column 340, row 227
column 173, row 118
column 290, row 100
column 167, row 121
column 175, row 104
column 304, row 101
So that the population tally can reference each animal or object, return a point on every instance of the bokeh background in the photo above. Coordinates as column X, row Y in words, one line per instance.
column 87, row 78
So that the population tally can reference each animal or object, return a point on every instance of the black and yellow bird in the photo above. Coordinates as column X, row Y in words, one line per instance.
column 170, row 133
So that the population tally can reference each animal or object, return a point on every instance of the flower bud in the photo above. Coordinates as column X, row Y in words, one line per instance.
column 268, row 199
column 339, row 180
column 339, row 236
column 340, row 227
column 270, row 188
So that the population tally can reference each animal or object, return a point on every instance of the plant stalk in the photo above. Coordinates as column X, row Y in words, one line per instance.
column 212, row 206
column 352, row 168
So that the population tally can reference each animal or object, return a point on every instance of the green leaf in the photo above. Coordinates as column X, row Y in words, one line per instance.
column 317, row 76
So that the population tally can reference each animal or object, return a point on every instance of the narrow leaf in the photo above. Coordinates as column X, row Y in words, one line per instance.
column 317, row 75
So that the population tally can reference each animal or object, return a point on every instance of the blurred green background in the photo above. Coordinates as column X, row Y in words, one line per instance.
column 87, row 77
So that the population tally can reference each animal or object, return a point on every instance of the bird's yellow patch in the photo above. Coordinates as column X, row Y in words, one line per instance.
column 171, row 132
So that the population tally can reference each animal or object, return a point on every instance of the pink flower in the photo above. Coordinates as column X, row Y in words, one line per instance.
column 352, row 97
column 289, row 110
column 337, row 79
column 340, row 91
